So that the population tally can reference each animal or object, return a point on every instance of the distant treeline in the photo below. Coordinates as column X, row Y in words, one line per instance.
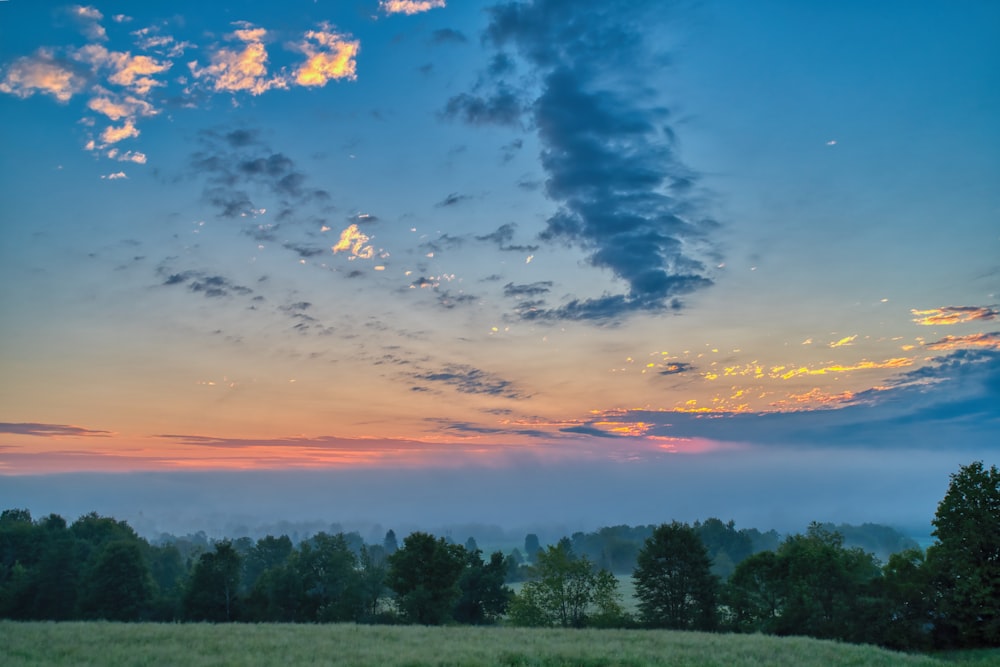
column 707, row 576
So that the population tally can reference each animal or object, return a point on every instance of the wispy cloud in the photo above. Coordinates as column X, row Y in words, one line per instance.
column 208, row 285
column 470, row 380
column 504, row 236
column 51, row 430
column 954, row 315
column 528, row 289
column 989, row 340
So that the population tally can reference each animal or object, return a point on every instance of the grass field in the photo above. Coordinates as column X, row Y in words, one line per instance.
column 115, row 645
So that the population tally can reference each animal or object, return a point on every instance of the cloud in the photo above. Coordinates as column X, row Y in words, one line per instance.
column 501, row 107
column 236, row 161
column 469, row 380
column 503, row 236
column 409, row 7
column 115, row 176
column 448, row 300
column 51, row 430
column 989, row 340
column 42, row 73
column 954, row 315
column 529, row 289
column 329, row 55
column 448, row 35
column 112, row 134
column 208, row 285
column 675, row 368
column 236, row 70
column 608, row 150
column 89, row 21
column 125, row 107
column 451, row 200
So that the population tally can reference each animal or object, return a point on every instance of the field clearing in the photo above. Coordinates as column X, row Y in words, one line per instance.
column 118, row 644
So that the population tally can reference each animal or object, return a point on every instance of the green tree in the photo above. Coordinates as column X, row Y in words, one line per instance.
column 966, row 558
column 372, row 575
column 328, row 569
column 562, row 591
column 424, row 575
column 673, row 580
column 484, row 596
column 117, row 586
column 212, row 589
column 907, row 602
column 754, row 595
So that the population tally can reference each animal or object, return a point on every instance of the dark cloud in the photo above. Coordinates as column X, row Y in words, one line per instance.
column 451, row 200
column 502, row 107
column 448, row 36
column 503, row 236
column 589, row 430
column 529, row 289
column 445, row 241
column 448, row 300
column 423, row 281
column 50, row 430
column 676, row 368
column 469, row 380
column 211, row 286
column 305, row 251
column 238, row 167
column 607, row 148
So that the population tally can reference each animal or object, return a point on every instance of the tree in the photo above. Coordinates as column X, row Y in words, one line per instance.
column 754, row 595
column 215, row 580
column 532, row 547
column 389, row 543
column 966, row 558
column 374, row 570
column 424, row 575
column 118, row 585
column 328, row 569
column 673, row 580
column 484, row 596
column 562, row 590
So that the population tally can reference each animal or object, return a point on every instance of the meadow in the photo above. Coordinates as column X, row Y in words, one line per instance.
column 141, row 644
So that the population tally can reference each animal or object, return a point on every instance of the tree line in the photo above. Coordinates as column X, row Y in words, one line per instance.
column 707, row 576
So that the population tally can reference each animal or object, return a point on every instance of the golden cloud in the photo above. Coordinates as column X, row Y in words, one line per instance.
column 409, row 7
column 954, row 315
column 245, row 70
column 986, row 340
column 353, row 240
column 128, row 107
column 330, row 55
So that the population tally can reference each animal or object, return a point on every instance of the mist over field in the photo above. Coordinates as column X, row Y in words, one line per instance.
column 777, row 489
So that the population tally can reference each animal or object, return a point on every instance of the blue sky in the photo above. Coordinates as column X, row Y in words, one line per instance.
column 421, row 235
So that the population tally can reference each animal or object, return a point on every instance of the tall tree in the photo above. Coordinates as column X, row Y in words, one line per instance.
column 484, row 596
column 424, row 575
column 966, row 558
column 212, row 589
column 674, row 582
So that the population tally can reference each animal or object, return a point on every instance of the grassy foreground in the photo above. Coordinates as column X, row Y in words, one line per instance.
column 112, row 645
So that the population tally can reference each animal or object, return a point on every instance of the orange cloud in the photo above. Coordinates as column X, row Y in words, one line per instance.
column 409, row 7
column 954, row 315
column 113, row 135
column 329, row 54
column 245, row 70
column 987, row 340
column 128, row 107
column 40, row 73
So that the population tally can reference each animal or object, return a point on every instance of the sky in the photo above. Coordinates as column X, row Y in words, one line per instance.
column 600, row 262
